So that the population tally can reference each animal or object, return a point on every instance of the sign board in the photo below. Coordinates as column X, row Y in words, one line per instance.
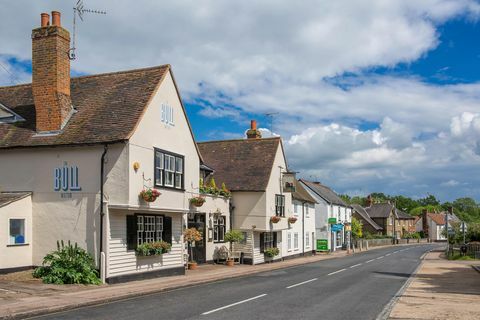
column 288, row 181
column 322, row 245
column 337, row 227
column 348, row 227
column 332, row 220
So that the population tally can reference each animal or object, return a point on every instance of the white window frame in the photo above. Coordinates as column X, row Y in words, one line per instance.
column 307, row 239
column 25, row 242
column 219, row 229
column 268, row 240
column 151, row 230
column 295, row 241
column 170, row 172
column 289, row 241
column 280, row 205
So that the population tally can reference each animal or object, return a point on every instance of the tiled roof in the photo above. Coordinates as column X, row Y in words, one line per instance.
column 302, row 194
column 9, row 197
column 324, row 192
column 379, row 210
column 361, row 211
column 438, row 218
column 244, row 165
column 108, row 108
column 404, row 215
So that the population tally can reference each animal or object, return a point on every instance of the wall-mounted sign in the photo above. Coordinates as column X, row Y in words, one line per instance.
column 288, row 181
column 66, row 178
column 332, row 220
column 337, row 227
column 167, row 114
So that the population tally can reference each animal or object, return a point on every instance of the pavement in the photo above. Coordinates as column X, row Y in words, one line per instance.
column 354, row 287
column 441, row 289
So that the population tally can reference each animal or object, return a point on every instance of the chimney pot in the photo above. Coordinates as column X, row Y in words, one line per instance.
column 45, row 19
column 56, row 18
column 253, row 132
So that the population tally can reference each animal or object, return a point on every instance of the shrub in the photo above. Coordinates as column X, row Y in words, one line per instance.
column 69, row 264
column 153, row 248
column 233, row 236
column 271, row 252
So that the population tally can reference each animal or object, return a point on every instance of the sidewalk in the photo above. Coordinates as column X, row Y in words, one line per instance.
column 19, row 300
column 441, row 289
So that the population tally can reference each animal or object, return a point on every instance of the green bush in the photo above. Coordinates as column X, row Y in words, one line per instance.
column 153, row 248
column 69, row 264
column 271, row 252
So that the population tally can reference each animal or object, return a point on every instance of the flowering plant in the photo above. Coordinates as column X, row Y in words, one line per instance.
column 197, row 201
column 271, row 252
column 153, row 248
column 149, row 195
column 275, row 219
column 292, row 220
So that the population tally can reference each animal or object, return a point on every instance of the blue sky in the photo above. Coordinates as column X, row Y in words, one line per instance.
column 368, row 96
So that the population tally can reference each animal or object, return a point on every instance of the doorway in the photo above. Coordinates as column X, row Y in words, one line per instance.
column 198, row 249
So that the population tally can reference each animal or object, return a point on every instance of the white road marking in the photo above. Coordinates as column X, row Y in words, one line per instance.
column 336, row 272
column 299, row 284
column 387, row 254
column 234, row 304
column 369, row 261
column 380, row 258
column 355, row 265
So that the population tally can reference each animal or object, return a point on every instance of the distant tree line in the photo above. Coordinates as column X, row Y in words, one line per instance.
column 467, row 209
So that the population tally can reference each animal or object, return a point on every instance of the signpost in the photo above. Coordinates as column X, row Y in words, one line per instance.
column 322, row 245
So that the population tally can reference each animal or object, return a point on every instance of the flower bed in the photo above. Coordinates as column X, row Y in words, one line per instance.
column 156, row 248
column 149, row 195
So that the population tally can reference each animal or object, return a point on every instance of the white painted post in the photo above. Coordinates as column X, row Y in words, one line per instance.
column 102, row 266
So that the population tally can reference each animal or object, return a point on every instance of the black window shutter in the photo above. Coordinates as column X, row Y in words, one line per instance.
column 262, row 242
column 274, row 239
column 131, row 232
column 167, row 229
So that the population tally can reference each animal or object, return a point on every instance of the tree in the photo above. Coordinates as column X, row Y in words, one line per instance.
column 233, row 236
column 418, row 210
column 429, row 200
column 192, row 235
column 357, row 228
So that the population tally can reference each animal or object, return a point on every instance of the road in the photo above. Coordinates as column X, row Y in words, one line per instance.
column 354, row 287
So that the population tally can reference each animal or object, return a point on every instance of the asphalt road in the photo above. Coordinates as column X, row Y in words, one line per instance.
column 354, row 287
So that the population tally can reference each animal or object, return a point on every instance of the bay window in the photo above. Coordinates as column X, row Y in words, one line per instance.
column 145, row 228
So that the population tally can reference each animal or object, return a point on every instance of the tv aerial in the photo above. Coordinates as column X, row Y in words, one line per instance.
column 79, row 10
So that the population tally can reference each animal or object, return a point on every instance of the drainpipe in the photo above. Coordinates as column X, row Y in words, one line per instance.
column 102, row 213
column 303, row 228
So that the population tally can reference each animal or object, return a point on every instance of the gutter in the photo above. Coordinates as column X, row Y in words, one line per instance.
column 102, row 213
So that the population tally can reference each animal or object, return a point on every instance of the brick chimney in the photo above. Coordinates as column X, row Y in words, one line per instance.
column 450, row 210
column 253, row 132
column 425, row 222
column 51, row 74
column 369, row 200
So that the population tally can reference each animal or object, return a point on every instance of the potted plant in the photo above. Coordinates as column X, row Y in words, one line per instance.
column 155, row 248
column 192, row 235
column 292, row 220
column 271, row 252
column 275, row 219
column 149, row 194
column 197, row 201
column 232, row 236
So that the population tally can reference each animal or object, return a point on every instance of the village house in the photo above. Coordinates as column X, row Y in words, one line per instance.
column 433, row 224
column 368, row 225
column 76, row 153
column 394, row 222
column 332, row 214
column 301, row 233
column 256, row 172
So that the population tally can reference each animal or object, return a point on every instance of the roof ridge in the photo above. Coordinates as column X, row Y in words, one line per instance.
column 242, row 139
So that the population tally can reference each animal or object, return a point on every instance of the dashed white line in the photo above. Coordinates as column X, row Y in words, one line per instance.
column 234, row 304
column 387, row 254
column 369, row 261
column 338, row 271
column 380, row 258
column 355, row 265
column 299, row 284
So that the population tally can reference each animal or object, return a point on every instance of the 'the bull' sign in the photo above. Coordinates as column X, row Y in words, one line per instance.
column 66, row 179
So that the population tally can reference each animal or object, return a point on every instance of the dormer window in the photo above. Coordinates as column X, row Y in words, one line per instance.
column 8, row 116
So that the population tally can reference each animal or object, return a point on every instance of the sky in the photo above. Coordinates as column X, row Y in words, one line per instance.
column 368, row 96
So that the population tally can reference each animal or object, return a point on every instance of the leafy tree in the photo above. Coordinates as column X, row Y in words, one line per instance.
column 357, row 228
column 429, row 200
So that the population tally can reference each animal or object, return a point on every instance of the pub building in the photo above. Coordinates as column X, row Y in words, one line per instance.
column 75, row 155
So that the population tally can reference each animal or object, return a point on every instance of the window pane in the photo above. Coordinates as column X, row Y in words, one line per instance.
column 179, row 165
column 178, row 180
column 17, row 231
column 139, row 230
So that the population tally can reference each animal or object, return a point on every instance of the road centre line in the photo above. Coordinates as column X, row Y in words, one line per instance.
column 299, row 284
column 387, row 254
column 355, row 265
column 234, row 304
column 370, row 261
column 338, row 271
column 380, row 258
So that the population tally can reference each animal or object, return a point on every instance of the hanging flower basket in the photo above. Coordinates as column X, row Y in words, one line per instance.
column 197, row 201
column 292, row 220
column 275, row 219
column 156, row 248
column 149, row 195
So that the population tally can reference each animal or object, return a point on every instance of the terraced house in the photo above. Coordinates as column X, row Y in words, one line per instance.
column 81, row 158
column 256, row 171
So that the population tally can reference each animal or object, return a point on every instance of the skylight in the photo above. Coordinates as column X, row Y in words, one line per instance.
column 8, row 116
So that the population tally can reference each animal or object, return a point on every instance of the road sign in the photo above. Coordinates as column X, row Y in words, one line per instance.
column 337, row 227
column 332, row 220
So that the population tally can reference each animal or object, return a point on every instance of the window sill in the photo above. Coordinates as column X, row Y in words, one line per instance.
column 169, row 188
column 218, row 241
column 18, row 245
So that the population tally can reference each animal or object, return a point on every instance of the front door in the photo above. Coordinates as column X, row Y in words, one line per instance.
column 198, row 249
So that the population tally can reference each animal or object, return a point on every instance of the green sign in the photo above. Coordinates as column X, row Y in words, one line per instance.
column 322, row 245
column 332, row 220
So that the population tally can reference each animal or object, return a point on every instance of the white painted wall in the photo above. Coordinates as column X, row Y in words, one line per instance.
column 13, row 256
